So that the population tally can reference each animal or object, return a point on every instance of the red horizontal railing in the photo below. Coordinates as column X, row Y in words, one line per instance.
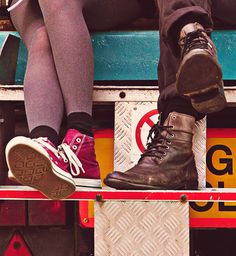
column 213, row 195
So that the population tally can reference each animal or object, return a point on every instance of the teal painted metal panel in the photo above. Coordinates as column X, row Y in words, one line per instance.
column 126, row 55
column 22, row 58
column 134, row 55
column 225, row 42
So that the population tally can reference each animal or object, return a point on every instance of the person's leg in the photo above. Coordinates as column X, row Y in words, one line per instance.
column 195, row 73
column 168, row 161
column 43, row 99
column 174, row 15
column 72, row 49
column 67, row 26
column 35, row 162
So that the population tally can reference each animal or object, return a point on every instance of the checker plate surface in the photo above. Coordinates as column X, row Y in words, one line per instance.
column 141, row 228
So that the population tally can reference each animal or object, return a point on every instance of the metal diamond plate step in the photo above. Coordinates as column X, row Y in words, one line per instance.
column 141, row 228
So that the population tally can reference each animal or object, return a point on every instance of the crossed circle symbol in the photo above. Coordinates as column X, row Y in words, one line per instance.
column 145, row 119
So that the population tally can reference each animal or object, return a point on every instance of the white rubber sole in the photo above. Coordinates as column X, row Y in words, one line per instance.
column 31, row 166
column 91, row 183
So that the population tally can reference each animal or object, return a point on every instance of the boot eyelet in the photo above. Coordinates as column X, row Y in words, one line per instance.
column 167, row 147
column 164, row 154
column 66, row 161
column 173, row 117
column 78, row 140
column 172, row 135
column 74, row 147
column 169, row 143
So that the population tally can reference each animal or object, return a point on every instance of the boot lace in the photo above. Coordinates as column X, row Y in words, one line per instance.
column 195, row 40
column 157, row 144
column 74, row 162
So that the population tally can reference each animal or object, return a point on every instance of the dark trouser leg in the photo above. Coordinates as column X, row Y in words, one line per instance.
column 173, row 15
column 223, row 13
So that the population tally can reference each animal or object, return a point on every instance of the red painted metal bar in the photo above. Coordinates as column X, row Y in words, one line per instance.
column 213, row 195
column 212, row 222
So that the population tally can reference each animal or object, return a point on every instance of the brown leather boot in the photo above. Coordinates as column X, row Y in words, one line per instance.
column 168, row 161
column 199, row 76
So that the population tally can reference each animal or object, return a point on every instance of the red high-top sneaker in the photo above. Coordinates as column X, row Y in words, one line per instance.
column 82, row 163
column 37, row 163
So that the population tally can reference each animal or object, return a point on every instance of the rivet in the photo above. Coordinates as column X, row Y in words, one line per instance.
column 183, row 198
column 122, row 95
column 99, row 198
column 85, row 220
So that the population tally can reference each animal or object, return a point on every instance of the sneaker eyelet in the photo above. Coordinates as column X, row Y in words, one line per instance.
column 74, row 147
column 78, row 140
column 66, row 161
column 173, row 117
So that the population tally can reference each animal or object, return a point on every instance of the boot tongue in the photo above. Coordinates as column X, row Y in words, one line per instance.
column 191, row 27
column 180, row 122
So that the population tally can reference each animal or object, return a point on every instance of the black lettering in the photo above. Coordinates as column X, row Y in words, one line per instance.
column 228, row 161
column 201, row 208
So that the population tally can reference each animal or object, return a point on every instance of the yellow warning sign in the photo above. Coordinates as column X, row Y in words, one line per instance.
column 220, row 173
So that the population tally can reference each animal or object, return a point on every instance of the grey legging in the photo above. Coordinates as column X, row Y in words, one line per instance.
column 60, row 63
column 60, row 58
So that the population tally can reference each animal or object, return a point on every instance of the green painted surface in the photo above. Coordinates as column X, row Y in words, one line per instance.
column 134, row 55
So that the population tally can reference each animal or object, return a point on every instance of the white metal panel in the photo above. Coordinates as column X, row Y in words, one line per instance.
column 199, row 150
column 110, row 93
column 141, row 228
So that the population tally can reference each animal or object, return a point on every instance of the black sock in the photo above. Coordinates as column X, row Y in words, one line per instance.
column 180, row 105
column 80, row 121
column 45, row 131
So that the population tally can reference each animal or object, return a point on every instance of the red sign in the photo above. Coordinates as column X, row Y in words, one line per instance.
column 17, row 247
column 145, row 119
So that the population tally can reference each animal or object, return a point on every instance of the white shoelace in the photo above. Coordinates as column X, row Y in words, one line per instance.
column 43, row 141
column 14, row 5
column 65, row 153
column 72, row 158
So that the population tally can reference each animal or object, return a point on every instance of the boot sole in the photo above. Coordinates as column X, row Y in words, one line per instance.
column 211, row 102
column 33, row 168
column 124, row 185
column 193, row 79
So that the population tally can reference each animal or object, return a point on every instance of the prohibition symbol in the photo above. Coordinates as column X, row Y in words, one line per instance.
column 146, row 119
